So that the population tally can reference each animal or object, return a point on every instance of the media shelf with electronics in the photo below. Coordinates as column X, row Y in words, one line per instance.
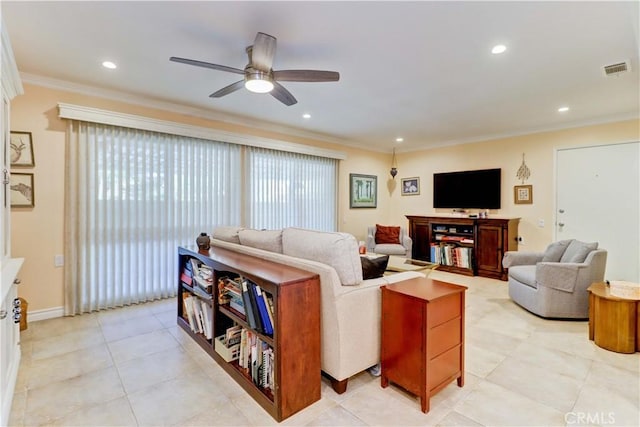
column 469, row 246
column 259, row 320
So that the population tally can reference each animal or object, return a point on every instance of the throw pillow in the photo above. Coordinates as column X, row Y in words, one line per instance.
column 577, row 251
column 554, row 251
column 387, row 234
column 372, row 268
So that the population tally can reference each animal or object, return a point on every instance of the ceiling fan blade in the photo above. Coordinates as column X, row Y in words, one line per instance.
column 282, row 95
column 264, row 49
column 228, row 89
column 206, row 65
column 306, row 76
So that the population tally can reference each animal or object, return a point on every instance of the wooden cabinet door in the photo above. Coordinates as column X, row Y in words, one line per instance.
column 420, row 233
column 490, row 248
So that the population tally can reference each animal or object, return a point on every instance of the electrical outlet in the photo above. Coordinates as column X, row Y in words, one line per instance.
column 520, row 240
column 58, row 260
column 541, row 223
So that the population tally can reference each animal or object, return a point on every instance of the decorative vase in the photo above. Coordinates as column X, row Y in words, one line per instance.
column 203, row 242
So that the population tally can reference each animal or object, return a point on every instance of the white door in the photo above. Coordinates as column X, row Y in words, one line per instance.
column 598, row 199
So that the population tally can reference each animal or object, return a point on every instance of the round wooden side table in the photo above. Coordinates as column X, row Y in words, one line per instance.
column 614, row 323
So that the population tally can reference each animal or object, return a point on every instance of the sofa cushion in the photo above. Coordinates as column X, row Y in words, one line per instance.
column 387, row 234
column 268, row 240
column 525, row 274
column 554, row 251
column 373, row 267
column 339, row 250
column 390, row 249
column 227, row 233
column 577, row 251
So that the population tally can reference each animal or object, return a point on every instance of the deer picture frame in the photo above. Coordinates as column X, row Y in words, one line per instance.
column 21, row 149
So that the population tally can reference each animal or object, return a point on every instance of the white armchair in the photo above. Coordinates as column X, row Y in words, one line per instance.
column 401, row 248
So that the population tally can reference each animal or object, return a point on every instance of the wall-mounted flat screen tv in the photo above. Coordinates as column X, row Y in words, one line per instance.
column 467, row 189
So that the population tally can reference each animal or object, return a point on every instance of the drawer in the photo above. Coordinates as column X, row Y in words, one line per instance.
column 444, row 337
column 444, row 367
column 443, row 309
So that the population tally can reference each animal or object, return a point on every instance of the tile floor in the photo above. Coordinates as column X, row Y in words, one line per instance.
column 135, row 367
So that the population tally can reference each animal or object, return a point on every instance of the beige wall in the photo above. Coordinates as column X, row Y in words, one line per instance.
column 539, row 150
column 37, row 234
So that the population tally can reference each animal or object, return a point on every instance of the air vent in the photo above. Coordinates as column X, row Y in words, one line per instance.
column 613, row 69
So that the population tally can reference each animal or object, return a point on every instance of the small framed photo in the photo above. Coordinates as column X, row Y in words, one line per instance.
column 363, row 191
column 21, row 149
column 410, row 186
column 21, row 186
column 523, row 194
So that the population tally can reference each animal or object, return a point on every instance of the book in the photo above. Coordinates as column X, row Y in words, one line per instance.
column 247, row 304
column 207, row 315
column 269, row 303
column 186, row 278
column 262, row 309
column 254, row 306
column 188, row 309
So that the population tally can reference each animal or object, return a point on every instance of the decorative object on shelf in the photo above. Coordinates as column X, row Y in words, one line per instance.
column 203, row 242
column 523, row 194
column 394, row 166
column 21, row 149
column 523, row 171
column 363, row 191
column 22, row 192
column 410, row 186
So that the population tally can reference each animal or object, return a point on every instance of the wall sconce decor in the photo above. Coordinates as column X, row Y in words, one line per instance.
column 394, row 166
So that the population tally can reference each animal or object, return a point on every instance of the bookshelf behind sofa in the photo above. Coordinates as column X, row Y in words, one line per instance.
column 295, row 341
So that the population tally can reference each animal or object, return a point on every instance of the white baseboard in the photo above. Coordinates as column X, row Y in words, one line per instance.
column 47, row 313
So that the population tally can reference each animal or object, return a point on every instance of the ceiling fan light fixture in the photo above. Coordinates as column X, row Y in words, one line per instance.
column 258, row 82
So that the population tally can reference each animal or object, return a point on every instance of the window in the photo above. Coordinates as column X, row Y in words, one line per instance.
column 134, row 196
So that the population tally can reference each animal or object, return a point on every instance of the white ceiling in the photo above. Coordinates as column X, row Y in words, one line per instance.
column 420, row 70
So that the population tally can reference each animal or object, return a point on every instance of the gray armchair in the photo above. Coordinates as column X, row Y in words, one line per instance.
column 402, row 248
column 554, row 283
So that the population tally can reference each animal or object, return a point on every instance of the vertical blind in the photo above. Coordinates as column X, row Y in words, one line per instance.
column 290, row 190
column 133, row 196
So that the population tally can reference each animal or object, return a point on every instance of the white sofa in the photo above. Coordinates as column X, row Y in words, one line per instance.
column 350, row 306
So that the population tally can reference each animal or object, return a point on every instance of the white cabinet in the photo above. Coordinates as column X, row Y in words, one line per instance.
column 9, row 329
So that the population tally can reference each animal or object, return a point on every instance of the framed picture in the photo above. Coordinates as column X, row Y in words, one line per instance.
column 410, row 186
column 21, row 149
column 363, row 191
column 21, row 186
column 523, row 194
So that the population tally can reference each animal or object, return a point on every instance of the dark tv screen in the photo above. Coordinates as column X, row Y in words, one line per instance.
column 467, row 189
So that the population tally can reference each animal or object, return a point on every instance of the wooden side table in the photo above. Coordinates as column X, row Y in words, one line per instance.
column 614, row 323
column 422, row 336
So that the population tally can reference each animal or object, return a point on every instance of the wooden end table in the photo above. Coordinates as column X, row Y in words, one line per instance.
column 422, row 336
column 614, row 322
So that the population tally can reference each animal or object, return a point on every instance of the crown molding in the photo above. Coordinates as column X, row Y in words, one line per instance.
column 114, row 118
column 11, row 84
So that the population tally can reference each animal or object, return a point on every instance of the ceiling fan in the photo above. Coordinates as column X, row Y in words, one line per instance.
column 259, row 76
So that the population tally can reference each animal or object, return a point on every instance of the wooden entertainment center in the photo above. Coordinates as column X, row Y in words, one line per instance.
column 470, row 246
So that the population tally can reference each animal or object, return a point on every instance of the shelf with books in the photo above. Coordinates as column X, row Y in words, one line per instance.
column 261, row 301
column 469, row 246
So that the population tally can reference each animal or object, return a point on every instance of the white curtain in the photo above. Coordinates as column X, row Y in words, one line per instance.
column 290, row 190
column 132, row 197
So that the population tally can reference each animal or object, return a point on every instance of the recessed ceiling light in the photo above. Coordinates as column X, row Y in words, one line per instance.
column 109, row 64
column 399, row 139
column 306, row 115
column 563, row 109
column 500, row 48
